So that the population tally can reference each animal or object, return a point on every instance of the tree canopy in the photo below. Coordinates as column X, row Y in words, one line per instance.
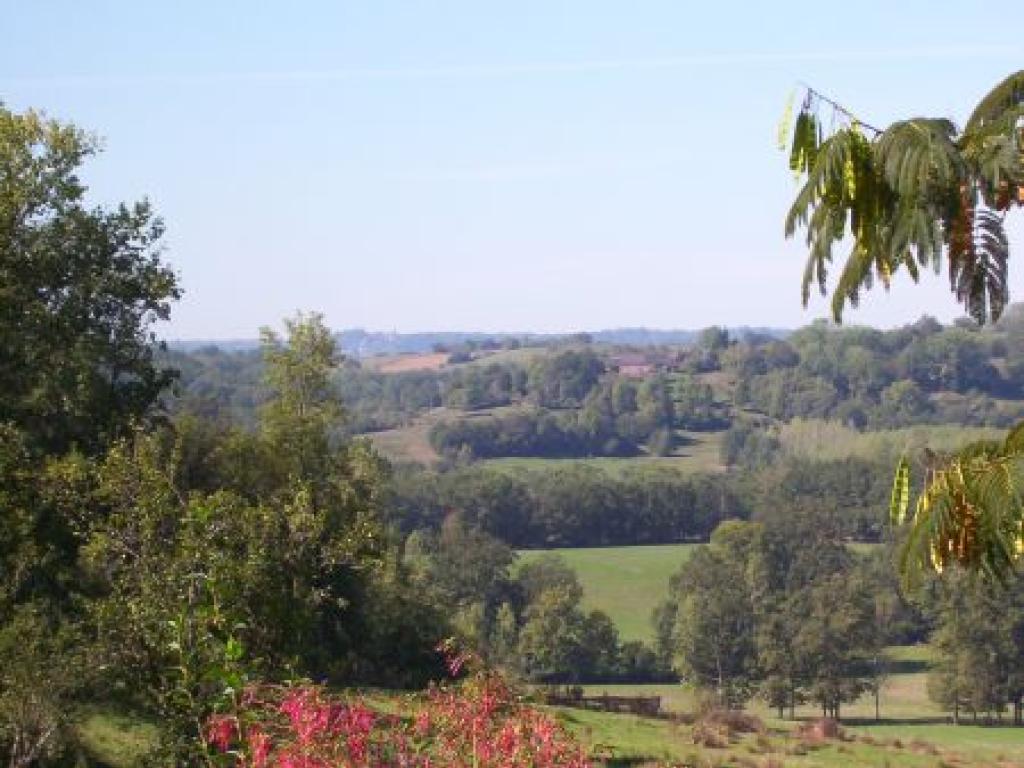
column 80, row 289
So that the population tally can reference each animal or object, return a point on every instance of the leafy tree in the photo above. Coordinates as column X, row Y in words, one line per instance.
column 970, row 510
column 975, row 655
column 546, row 572
column 695, row 404
column 81, row 291
column 565, row 379
column 552, row 638
column 783, row 670
column 42, row 668
column 82, row 288
column 303, row 411
column 834, row 640
column 714, row 642
column 465, row 571
column 903, row 403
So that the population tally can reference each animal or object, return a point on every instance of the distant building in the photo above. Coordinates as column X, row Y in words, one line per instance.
column 638, row 366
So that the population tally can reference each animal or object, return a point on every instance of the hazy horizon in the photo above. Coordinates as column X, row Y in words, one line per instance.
column 540, row 168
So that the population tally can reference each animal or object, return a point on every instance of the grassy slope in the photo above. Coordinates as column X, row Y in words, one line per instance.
column 624, row 582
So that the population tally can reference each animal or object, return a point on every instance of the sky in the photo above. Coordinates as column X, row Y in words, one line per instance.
column 532, row 166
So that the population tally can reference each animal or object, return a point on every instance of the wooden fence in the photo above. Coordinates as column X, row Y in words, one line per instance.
column 648, row 706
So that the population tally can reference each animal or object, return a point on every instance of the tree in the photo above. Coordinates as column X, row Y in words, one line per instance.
column 975, row 655
column 835, row 640
column 970, row 510
column 920, row 187
column 466, row 571
column 552, row 639
column 304, row 410
column 783, row 670
column 714, row 644
column 81, row 290
column 918, row 190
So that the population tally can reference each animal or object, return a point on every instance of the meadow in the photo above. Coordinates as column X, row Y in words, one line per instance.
column 627, row 583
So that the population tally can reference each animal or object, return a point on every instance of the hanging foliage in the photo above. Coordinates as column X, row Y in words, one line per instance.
column 905, row 198
column 909, row 195
column 970, row 511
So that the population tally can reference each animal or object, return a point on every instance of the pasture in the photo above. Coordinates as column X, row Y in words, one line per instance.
column 627, row 583
column 695, row 452
column 406, row 363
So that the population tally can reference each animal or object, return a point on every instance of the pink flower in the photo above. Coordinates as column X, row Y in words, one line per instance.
column 220, row 731
column 259, row 745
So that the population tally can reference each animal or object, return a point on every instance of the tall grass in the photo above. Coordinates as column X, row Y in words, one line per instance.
column 828, row 440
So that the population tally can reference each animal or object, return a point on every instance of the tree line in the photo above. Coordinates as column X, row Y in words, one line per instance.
column 578, row 505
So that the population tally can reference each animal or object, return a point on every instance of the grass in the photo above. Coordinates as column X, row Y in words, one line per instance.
column 826, row 440
column 908, row 717
column 631, row 740
column 697, row 452
column 624, row 582
column 407, row 444
column 113, row 738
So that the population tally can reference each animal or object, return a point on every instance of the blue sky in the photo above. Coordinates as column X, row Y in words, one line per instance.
column 535, row 166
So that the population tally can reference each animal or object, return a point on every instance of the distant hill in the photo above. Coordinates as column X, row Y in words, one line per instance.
column 362, row 343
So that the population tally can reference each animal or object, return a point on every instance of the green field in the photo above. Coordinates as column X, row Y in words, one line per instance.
column 903, row 696
column 634, row 741
column 912, row 734
column 624, row 582
column 696, row 452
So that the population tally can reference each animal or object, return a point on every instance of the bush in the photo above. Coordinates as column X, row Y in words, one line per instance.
column 475, row 723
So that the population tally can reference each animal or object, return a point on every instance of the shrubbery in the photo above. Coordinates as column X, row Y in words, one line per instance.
column 476, row 723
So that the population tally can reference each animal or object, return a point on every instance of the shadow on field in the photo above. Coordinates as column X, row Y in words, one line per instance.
column 924, row 720
column 906, row 666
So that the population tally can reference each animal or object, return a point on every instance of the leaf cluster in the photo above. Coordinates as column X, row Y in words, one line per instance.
column 909, row 195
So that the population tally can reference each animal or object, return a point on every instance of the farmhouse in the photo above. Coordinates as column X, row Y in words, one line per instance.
column 638, row 366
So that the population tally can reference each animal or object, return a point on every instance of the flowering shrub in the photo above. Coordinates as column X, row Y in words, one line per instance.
column 475, row 724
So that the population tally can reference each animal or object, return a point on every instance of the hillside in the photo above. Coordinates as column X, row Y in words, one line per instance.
column 718, row 399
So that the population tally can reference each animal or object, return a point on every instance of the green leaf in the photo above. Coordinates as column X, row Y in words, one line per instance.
column 233, row 650
column 899, row 503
